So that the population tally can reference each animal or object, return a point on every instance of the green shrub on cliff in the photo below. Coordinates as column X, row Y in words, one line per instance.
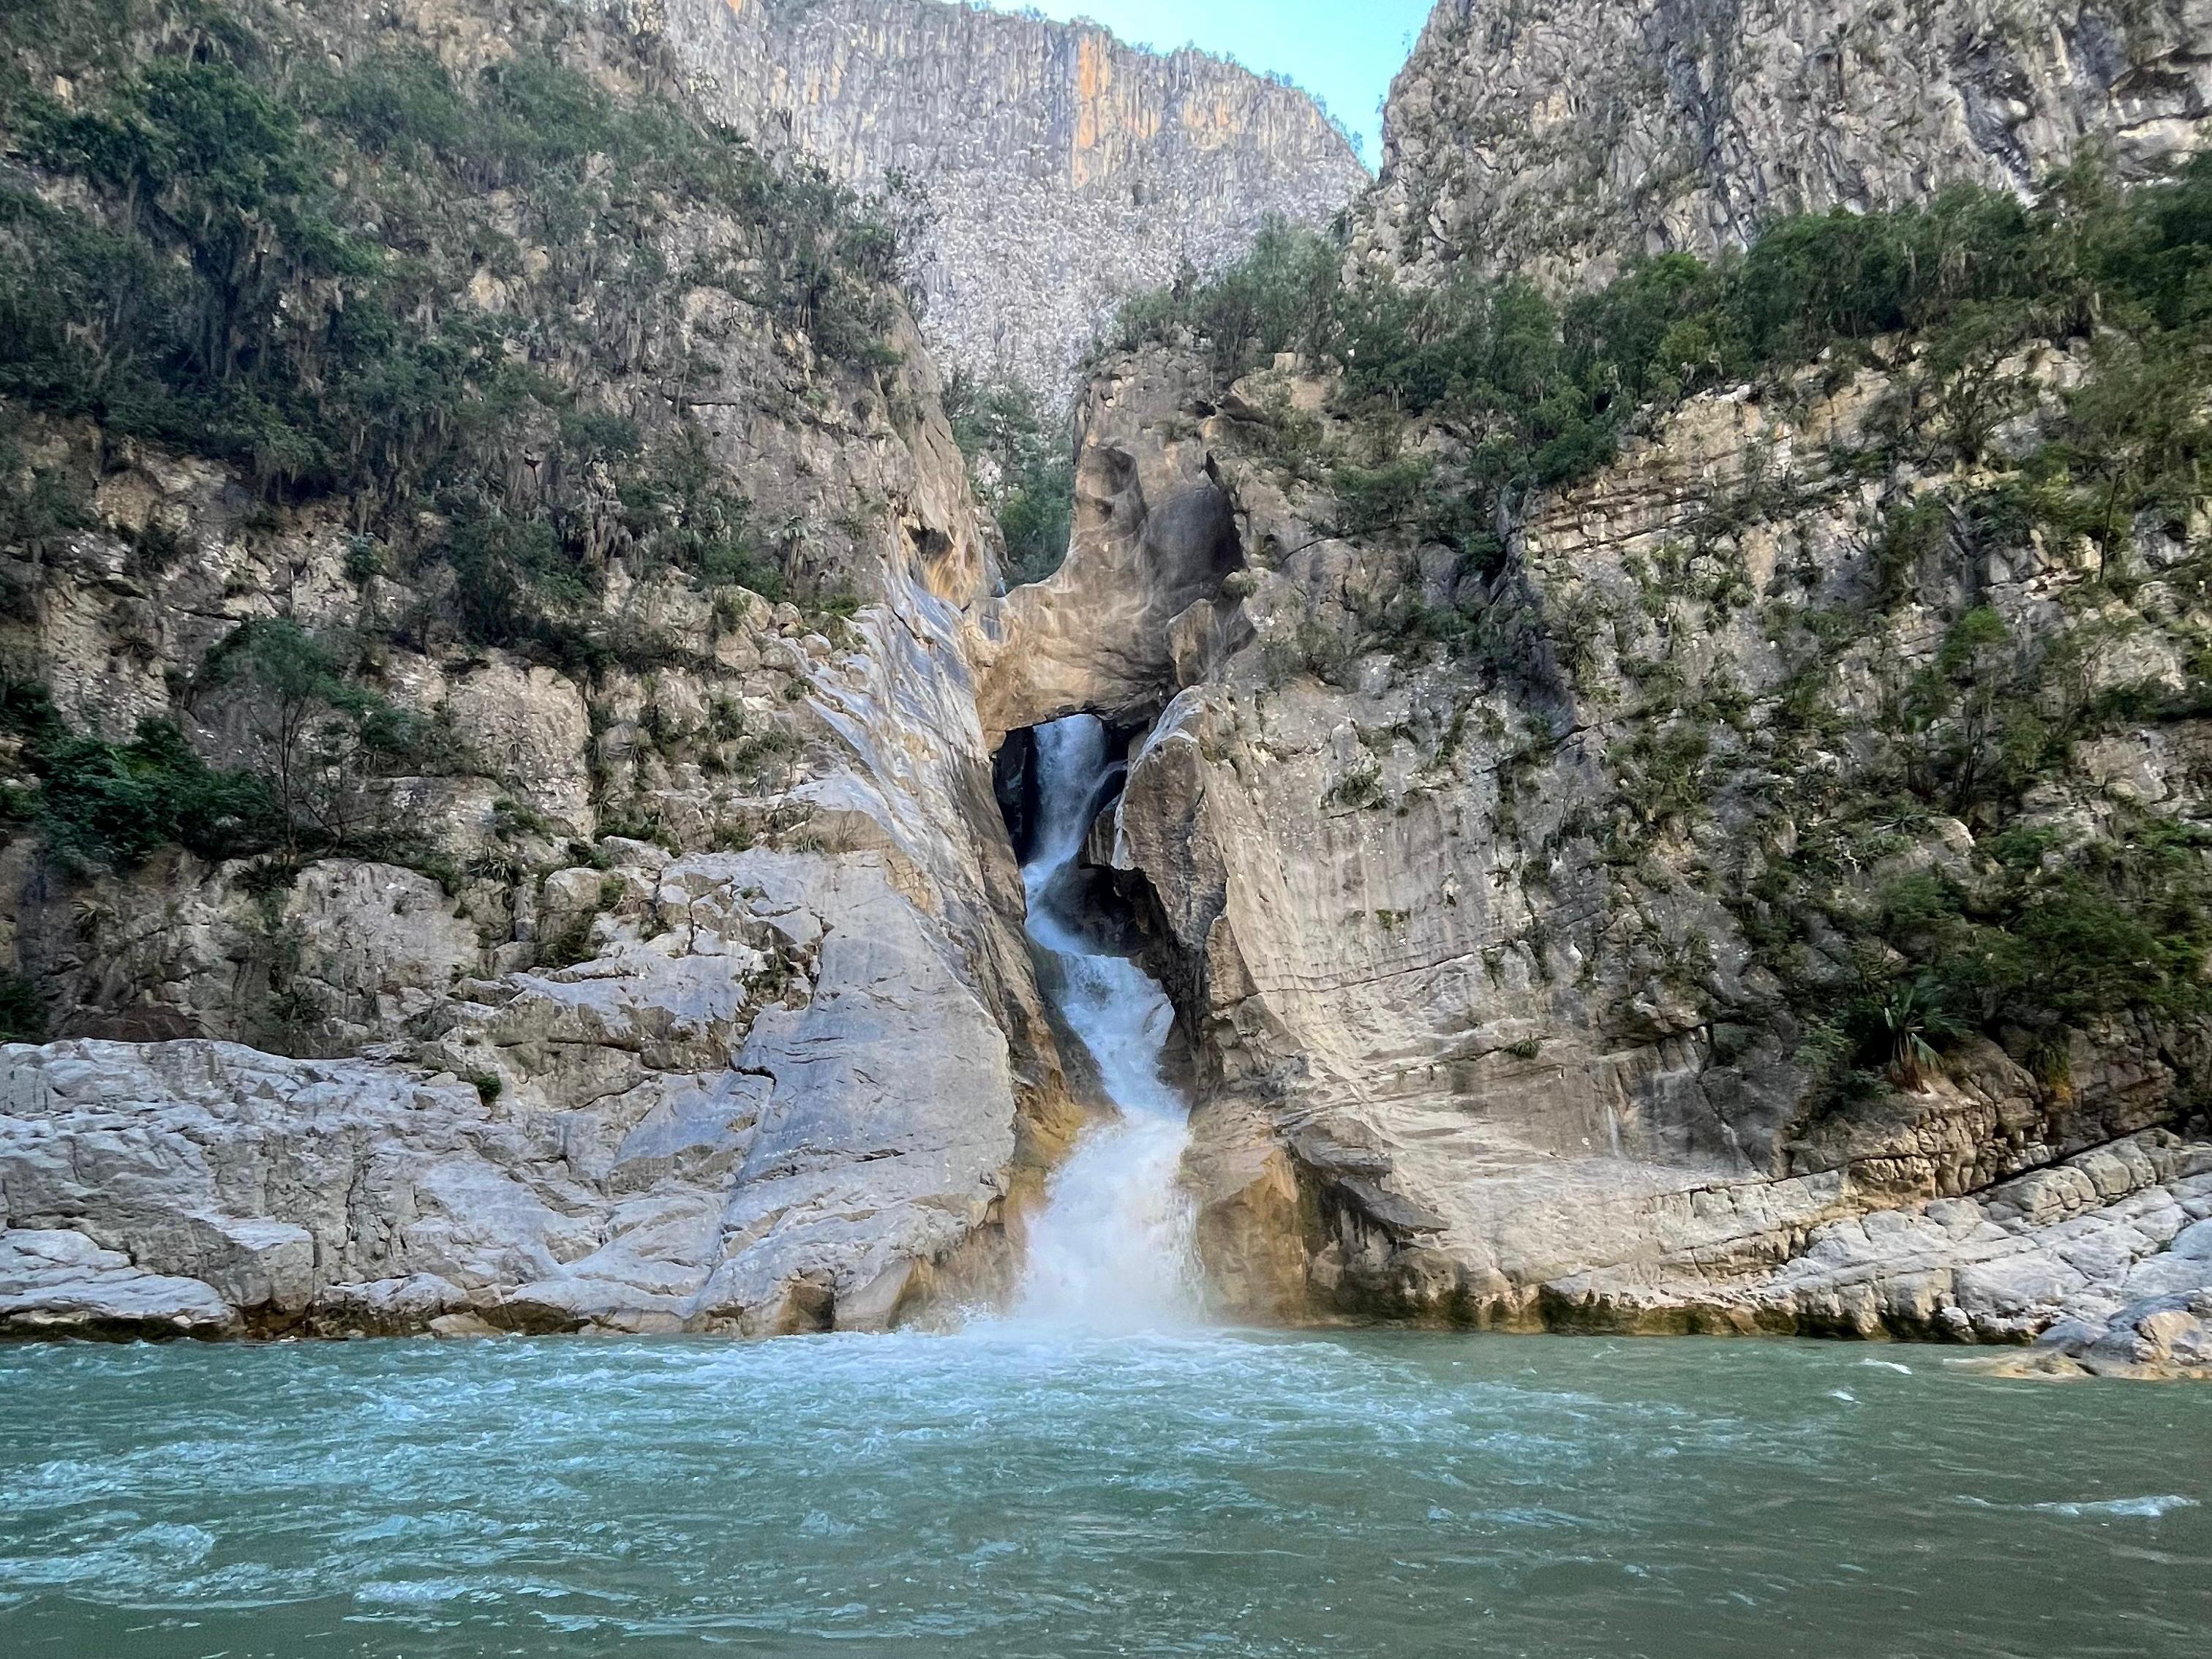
column 102, row 803
column 1024, row 469
column 217, row 240
column 2040, row 950
column 2042, row 927
column 22, row 1010
column 1281, row 296
column 320, row 739
column 317, row 741
column 1537, row 395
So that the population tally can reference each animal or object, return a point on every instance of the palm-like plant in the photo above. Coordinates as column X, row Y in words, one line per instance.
column 1912, row 1022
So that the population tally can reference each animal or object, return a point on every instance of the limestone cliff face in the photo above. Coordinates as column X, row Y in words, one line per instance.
column 1064, row 171
column 702, row 1001
column 1557, row 137
column 1502, row 1012
column 1138, row 604
column 1479, row 1044
column 687, row 990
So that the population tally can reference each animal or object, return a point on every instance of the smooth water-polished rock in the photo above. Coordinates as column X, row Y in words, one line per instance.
column 59, row 1283
column 1136, row 610
column 690, row 1133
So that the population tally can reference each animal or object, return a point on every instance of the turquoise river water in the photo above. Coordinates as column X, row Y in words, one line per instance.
column 1067, row 1481
column 1008, row 1491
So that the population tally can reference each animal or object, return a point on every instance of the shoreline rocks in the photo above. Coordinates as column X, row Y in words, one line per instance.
column 692, row 1133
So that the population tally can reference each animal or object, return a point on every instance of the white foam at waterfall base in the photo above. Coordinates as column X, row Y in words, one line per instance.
column 1113, row 1249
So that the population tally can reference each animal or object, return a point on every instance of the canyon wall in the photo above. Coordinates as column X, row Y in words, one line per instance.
column 638, row 945
column 1488, row 1039
column 1517, row 892
column 638, row 954
column 1558, row 137
column 1063, row 170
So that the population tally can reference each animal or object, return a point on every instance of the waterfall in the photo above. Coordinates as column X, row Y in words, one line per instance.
column 1113, row 1249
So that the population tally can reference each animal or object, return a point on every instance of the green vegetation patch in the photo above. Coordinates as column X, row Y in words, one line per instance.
column 456, row 302
column 1531, row 394
column 104, row 803
column 1025, row 468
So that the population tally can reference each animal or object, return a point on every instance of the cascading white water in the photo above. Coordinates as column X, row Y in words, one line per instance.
column 1113, row 1249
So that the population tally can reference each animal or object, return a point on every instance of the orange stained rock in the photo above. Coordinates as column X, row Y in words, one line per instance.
column 1103, row 111
column 1094, row 73
column 1211, row 126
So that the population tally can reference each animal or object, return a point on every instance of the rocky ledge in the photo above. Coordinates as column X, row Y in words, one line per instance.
column 2103, row 1262
column 767, row 1106
column 203, row 1190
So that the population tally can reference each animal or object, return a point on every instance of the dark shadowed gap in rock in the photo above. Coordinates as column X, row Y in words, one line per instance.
column 1087, row 887
column 1014, row 783
column 1122, row 912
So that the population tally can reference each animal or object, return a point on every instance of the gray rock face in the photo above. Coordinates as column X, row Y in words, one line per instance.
column 1459, row 1062
column 771, row 1105
column 1480, row 1038
column 1558, row 137
column 1133, row 613
column 2081, row 1256
column 1064, row 170
column 771, row 1056
column 59, row 1283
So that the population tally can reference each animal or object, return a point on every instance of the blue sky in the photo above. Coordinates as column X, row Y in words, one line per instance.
column 1346, row 51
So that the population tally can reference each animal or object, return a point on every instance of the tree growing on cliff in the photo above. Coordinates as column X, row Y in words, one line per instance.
column 99, row 803
column 1021, row 462
column 215, row 242
column 323, row 739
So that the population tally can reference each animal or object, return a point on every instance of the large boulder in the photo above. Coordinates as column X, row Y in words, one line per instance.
column 770, row 1103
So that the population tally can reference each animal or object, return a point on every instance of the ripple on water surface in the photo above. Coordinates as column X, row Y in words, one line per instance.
column 1008, row 1493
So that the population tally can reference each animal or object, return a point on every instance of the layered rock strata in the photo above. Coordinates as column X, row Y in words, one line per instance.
column 2104, row 1258
column 1460, row 1064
